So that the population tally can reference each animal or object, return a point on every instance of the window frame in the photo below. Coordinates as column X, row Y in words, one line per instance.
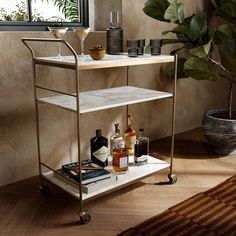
column 42, row 26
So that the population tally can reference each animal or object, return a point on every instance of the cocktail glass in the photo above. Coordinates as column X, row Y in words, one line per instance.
column 82, row 33
column 58, row 32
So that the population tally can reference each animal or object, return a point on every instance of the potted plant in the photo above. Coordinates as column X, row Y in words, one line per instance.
column 211, row 54
column 97, row 52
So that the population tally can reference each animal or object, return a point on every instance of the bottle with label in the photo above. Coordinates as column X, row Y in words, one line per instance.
column 114, row 35
column 141, row 148
column 120, row 159
column 130, row 136
column 116, row 139
column 99, row 149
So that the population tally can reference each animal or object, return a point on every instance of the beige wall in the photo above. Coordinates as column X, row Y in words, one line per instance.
column 18, row 150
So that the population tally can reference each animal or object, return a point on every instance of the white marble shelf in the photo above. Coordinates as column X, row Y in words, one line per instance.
column 105, row 98
column 108, row 61
column 115, row 182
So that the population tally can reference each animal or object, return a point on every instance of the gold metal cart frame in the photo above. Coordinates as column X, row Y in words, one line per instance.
column 84, row 215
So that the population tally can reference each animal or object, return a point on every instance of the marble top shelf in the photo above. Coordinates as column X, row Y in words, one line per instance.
column 105, row 98
column 134, row 173
column 107, row 62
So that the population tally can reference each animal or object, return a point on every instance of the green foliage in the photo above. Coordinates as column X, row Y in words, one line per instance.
column 20, row 14
column 194, row 34
column 68, row 7
column 156, row 9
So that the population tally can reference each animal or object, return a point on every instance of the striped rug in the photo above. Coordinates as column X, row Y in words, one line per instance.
column 209, row 213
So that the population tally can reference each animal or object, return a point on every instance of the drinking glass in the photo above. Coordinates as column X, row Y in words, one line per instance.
column 82, row 33
column 58, row 32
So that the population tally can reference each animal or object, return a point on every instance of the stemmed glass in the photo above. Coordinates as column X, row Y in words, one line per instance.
column 82, row 33
column 58, row 32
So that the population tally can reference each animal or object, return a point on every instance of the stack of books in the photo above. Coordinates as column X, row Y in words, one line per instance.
column 91, row 174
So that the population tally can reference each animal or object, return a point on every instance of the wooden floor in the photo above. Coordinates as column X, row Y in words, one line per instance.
column 23, row 211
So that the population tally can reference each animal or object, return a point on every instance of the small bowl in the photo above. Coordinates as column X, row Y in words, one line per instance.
column 97, row 53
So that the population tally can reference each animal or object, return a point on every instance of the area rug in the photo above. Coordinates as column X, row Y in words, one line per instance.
column 208, row 213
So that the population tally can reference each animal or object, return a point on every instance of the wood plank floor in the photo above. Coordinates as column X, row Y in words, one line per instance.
column 23, row 211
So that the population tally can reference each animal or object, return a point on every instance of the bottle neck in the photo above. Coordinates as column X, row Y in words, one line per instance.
column 114, row 19
column 98, row 132
column 130, row 121
column 141, row 132
column 117, row 128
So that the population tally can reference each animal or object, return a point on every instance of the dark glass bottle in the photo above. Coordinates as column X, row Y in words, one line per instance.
column 99, row 149
column 114, row 35
column 141, row 148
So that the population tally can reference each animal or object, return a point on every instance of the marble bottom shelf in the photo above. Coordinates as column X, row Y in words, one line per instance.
column 105, row 98
column 115, row 182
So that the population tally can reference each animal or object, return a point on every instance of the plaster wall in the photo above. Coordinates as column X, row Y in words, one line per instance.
column 18, row 149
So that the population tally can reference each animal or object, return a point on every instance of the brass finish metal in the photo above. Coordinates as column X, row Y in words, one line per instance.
column 85, row 217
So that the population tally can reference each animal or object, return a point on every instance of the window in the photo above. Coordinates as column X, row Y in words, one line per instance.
column 34, row 15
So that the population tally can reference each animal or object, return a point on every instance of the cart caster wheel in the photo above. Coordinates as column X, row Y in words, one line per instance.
column 172, row 178
column 44, row 190
column 84, row 217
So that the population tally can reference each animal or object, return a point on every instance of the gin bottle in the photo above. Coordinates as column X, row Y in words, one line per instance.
column 130, row 136
column 99, row 149
column 116, row 139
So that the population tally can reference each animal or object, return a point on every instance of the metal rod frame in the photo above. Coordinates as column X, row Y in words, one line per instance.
column 34, row 63
column 173, row 115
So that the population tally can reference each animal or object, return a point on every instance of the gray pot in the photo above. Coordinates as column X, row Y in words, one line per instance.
column 220, row 132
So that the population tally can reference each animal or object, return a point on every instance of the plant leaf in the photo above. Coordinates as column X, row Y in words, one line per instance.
column 201, row 69
column 175, row 12
column 156, row 9
column 223, row 32
column 169, row 41
column 180, row 69
column 198, row 26
column 228, row 51
column 201, row 51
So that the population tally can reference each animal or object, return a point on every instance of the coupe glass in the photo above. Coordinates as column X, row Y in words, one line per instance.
column 58, row 32
column 82, row 33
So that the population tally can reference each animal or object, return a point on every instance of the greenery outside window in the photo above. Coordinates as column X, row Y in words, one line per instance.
column 36, row 15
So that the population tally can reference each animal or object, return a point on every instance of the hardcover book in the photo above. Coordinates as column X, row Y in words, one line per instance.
column 91, row 172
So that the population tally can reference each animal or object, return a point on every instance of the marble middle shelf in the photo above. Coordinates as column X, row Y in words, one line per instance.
column 105, row 98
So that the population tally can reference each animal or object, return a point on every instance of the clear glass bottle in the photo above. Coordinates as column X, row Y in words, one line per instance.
column 116, row 139
column 99, row 149
column 130, row 136
column 141, row 148
column 114, row 35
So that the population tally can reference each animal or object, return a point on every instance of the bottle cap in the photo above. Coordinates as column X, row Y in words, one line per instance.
column 141, row 129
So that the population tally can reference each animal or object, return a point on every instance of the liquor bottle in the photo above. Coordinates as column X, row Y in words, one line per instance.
column 99, row 149
column 120, row 159
column 130, row 136
column 114, row 35
column 116, row 139
column 141, row 148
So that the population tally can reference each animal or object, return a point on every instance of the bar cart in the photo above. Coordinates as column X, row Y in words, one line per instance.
column 78, row 103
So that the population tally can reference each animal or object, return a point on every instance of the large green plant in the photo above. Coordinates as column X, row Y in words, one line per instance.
column 68, row 7
column 201, row 43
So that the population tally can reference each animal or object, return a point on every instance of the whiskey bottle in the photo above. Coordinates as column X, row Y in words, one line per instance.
column 130, row 136
column 116, row 139
column 99, row 149
column 120, row 159
column 141, row 148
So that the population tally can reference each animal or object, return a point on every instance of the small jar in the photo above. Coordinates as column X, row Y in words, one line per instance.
column 120, row 159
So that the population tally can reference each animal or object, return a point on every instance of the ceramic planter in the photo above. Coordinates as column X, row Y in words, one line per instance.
column 220, row 132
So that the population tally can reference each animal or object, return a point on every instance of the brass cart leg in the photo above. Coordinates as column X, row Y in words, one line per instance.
column 83, row 214
column 173, row 177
